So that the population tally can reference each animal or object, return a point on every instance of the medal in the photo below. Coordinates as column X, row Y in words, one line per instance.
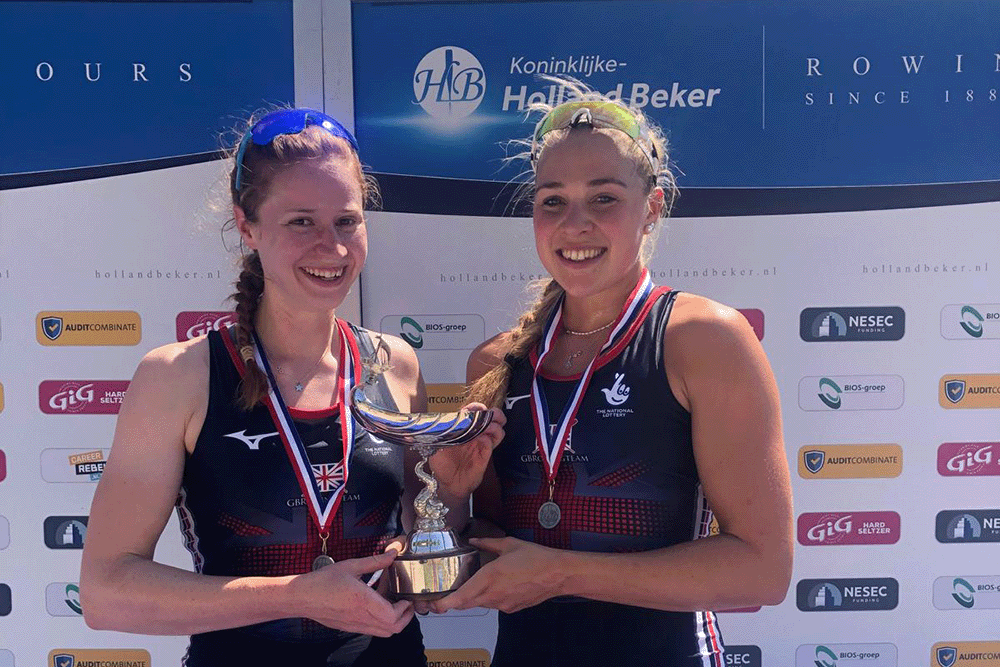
column 321, row 561
column 549, row 513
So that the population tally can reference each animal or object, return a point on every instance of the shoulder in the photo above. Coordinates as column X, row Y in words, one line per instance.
column 700, row 325
column 488, row 354
column 179, row 365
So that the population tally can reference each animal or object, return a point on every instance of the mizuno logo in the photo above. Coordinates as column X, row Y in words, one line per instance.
column 251, row 441
column 511, row 400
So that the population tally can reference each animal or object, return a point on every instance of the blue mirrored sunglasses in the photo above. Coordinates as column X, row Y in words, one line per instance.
column 287, row 121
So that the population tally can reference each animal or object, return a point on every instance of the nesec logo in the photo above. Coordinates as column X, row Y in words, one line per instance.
column 980, row 390
column 850, row 461
column 743, row 656
column 5, row 600
column 967, row 525
column 62, row 598
column 957, row 459
column 847, row 594
column 965, row 654
column 966, row 592
column 191, row 324
column 844, row 324
column 970, row 321
column 88, row 327
column 449, row 83
column 842, row 655
column 848, row 528
column 73, row 465
column 437, row 332
column 87, row 397
column 851, row 392
column 65, row 532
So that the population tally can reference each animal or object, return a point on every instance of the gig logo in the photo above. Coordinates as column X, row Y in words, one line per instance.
column 968, row 526
column 847, row 594
column 967, row 592
column 3, row 466
column 449, row 83
column 965, row 654
column 836, row 324
column 191, row 324
column 65, row 532
column 743, row 656
column 848, row 528
column 73, row 465
column 98, row 657
column 851, row 392
column 755, row 316
column 959, row 459
column 970, row 391
column 850, row 461
column 62, row 598
column 437, row 332
column 88, row 327
column 84, row 397
column 970, row 321
column 846, row 655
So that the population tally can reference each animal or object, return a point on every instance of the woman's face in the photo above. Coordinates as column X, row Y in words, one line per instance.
column 310, row 233
column 590, row 212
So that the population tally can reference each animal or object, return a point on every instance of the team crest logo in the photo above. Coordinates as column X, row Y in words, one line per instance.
column 954, row 390
column 946, row 656
column 52, row 327
column 63, row 659
column 814, row 460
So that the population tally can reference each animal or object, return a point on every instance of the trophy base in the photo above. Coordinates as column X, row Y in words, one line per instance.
column 431, row 576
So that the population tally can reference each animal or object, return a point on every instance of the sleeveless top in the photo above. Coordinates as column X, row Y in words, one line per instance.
column 242, row 512
column 627, row 482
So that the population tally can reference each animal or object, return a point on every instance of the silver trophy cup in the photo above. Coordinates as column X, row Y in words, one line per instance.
column 433, row 562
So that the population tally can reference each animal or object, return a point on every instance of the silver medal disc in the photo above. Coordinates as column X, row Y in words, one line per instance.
column 322, row 561
column 549, row 514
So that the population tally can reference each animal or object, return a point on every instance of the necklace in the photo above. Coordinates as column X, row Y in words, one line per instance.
column 586, row 333
column 312, row 371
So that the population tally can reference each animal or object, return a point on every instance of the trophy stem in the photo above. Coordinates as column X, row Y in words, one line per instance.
column 430, row 511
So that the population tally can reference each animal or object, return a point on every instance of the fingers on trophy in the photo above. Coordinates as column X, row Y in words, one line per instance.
column 433, row 561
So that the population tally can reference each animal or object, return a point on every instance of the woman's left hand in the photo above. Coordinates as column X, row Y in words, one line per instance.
column 523, row 574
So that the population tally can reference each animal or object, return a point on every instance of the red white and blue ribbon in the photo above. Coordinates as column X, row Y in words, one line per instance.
column 552, row 443
column 350, row 360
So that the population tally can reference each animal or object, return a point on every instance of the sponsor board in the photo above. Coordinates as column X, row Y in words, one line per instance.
column 457, row 657
column 960, row 459
column 62, row 598
column 98, row 657
column 73, row 465
column 967, row 592
column 848, row 528
column 88, row 327
column 850, row 461
column 860, row 594
column 846, row 655
column 192, row 323
column 966, row 654
column 848, row 324
column 977, row 390
column 850, row 392
column 980, row 321
column 967, row 526
column 436, row 332
column 81, row 397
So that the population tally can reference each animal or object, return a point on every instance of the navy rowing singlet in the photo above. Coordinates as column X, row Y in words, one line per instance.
column 627, row 482
column 242, row 513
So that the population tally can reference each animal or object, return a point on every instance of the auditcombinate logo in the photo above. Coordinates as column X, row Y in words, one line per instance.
column 850, row 461
column 980, row 390
column 88, row 327
column 965, row 654
column 98, row 657
column 449, row 83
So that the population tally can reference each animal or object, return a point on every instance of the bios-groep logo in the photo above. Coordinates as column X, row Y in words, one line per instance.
column 449, row 83
column 62, row 598
column 965, row 592
column 850, row 461
column 959, row 459
column 965, row 654
column 91, row 397
column 844, row 655
column 843, row 324
column 437, row 332
column 968, row 525
column 98, row 657
column 88, row 327
column 191, row 324
column 851, row 392
column 848, row 528
column 980, row 390
column 847, row 594
column 970, row 321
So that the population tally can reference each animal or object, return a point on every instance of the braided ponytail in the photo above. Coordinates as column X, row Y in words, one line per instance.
column 249, row 288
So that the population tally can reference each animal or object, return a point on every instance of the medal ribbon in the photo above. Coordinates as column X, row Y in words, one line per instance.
column 552, row 445
column 350, row 360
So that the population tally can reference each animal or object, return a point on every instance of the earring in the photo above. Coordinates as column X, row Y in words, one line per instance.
column 649, row 227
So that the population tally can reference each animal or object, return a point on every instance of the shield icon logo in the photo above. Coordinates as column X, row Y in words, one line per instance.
column 954, row 390
column 63, row 660
column 814, row 460
column 946, row 655
column 52, row 327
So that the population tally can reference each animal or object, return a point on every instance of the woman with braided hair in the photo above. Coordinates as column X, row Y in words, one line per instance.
column 634, row 412
column 287, row 506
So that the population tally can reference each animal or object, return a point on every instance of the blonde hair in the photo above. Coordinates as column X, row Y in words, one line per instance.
column 491, row 388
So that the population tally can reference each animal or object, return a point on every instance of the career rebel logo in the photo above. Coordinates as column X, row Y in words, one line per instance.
column 193, row 323
column 845, row 655
column 81, row 397
column 968, row 525
column 963, row 459
column 966, row 654
column 861, row 594
column 850, row 461
column 978, row 390
column 61, row 465
column 846, row 324
column 850, row 392
column 848, row 528
column 967, row 592
column 98, row 657
column 979, row 321
column 88, row 327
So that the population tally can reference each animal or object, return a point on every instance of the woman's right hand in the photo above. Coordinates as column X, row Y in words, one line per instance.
column 459, row 469
column 336, row 596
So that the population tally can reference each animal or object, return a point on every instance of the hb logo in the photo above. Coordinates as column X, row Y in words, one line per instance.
column 449, row 82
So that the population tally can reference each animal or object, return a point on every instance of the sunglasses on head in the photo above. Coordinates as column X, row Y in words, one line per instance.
column 287, row 121
column 601, row 114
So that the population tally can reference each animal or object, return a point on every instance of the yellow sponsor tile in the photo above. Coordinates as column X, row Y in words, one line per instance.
column 850, row 461
column 88, row 327
column 445, row 397
column 978, row 390
column 457, row 657
column 1, row 397
column 98, row 657
column 965, row 654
